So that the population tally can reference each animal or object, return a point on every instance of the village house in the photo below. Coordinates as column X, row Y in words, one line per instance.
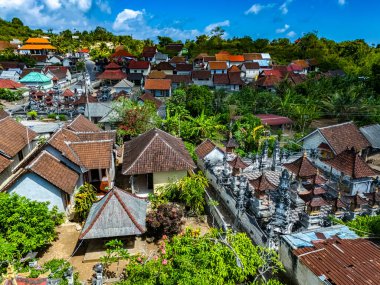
column 275, row 122
column 112, row 74
column 184, row 69
column 155, row 159
column 149, row 53
column 332, row 255
column 202, row 77
column 16, row 142
column 160, row 57
column 158, row 87
column 165, row 67
column 179, row 80
column 62, row 74
column 235, row 60
column 123, row 85
column 142, row 67
column 250, row 71
column 13, row 75
column 217, row 67
column 175, row 60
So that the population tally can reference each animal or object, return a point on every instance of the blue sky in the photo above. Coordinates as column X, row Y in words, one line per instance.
column 335, row 19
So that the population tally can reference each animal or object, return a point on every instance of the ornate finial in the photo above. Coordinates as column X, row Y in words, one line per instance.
column 305, row 153
column 339, row 195
column 10, row 276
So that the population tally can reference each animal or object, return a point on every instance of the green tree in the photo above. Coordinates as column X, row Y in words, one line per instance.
column 84, row 198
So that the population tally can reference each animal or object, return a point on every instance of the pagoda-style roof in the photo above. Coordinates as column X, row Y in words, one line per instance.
column 82, row 100
column 237, row 163
column 351, row 164
column 302, row 167
column 35, row 77
column 317, row 202
column 232, row 143
column 68, row 93
column 112, row 65
column 262, row 183
column 117, row 214
column 112, row 74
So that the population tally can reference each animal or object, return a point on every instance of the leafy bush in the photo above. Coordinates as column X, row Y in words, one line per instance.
column 165, row 220
column 209, row 259
column 364, row 226
column 25, row 226
column 85, row 197
column 32, row 114
column 54, row 116
column 9, row 95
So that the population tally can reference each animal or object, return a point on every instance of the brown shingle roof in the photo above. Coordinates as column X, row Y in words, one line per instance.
column 178, row 59
column 302, row 167
column 83, row 100
column 262, row 183
column 204, row 148
column 268, row 81
column 343, row 261
column 59, row 141
column 4, row 163
column 50, row 168
column 14, row 136
column 176, row 78
column 222, row 57
column 217, row 65
column 68, row 93
column 184, row 67
column 252, row 56
column 82, row 124
column 235, row 78
column 3, row 114
column 343, row 136
column 139, row 64
column 93, row 154
column 157, row 74
column 201, row 74
column 155, row 151
column 112, row 74
column 251, row 65
column 157, row 84
column 164, row 66
column 351, row 164
column 237, row 163
column 221, row 79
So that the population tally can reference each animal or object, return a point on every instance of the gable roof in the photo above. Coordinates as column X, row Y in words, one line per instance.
column 251, row 65
column 122, row 53
column 49, row 167
column 342, row 136
column 164, row 66
column 157, row 84
column 262, row 183
column 238, row 163
column 82, row 124
column 3, row 114
column 177, row 59
column 184, row 67
column 178, row 78
column 302, row 167
column 155, row 151
column 112, row 65
column 37, row 41
column 217, row 65
column 157, row 74
column 236, row 58
column 124, row 83
column 139, row 64
column 201, row 74
column 10, row 84
column 268, row 81
column 68, row 93
column 221, row 79
column 372, row 134
column 204, row 148
column 252, row 56
column 14, row 136
column 118, row 213
column 351, row 164
column 93, row 154
column 273, row 120
column 4, row 163
column 112, row 74
column 235, row 79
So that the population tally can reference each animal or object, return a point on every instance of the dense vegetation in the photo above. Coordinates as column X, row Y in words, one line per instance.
column 25, row 226
column 215, row 258
column 364, row 226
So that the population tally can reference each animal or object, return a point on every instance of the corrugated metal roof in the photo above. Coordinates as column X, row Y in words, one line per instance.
column 372, row 134
column 305, row 239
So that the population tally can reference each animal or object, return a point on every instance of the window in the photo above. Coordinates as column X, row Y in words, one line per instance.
column 20, row 155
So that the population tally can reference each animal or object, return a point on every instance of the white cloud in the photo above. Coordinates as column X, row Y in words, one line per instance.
column 83, row 5
column 210, row 27
column 284, row 7
column 104, row 6
column 256, row 8
column 283, row 30
column 133, row 22
column 291, row 34
column 341, row 2
column 53, row 4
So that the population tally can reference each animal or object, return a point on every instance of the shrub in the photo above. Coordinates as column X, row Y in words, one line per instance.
column 165, row 220
column 10, row 96
column 85, row 197
column 32, row 114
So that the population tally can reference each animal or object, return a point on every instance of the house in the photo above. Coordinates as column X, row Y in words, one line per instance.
column 184, row 69
column 274, row 121
column 98, row 110
column 179, row 80
column 208, row 152
column 16, row 142
column 123, row 85
column 166, row 67
column 235, row 60
column 38, row 46
column 332, row 255
column 372, row 134
column 45, row 179
column 112, row 73
column 250, row 71
column 142, row 67
column 155, row 159
column 160, row 57
column 268, row 82
column 61, row 73
column 156, row 74
column 234, row 78
column 149, row 53
column 221, row 81
column 222, row 56
column 177, row 60
column 303, row 66
column 10, row 75
column 217, row 67
column 202, row 77
column 158, row 87
column 54, row 59
column 148, row 97
column 37, row 80
column 10, row 84
column 118, row 214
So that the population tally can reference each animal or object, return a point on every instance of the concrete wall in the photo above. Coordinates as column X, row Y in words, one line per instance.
column 163, row 178
column 35, row 188
column 203, row 82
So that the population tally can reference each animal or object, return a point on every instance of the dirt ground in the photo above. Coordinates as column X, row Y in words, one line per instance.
column 67, row 243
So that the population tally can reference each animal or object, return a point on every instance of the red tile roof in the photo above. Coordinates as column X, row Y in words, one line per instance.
column 236, row 58
column 4, row 163
column 217, row 65
column 273, row 72
column 235, row 79
column 184, row 67
column 252, row 56
column 3, row 114
column 301, row 63
column 122, row 53
column 302, row 167
column 157, row 84
column 10, row 84
column 262, row 183
column 176, row 78
column 343, row 261
column 273, row 120
column 14, row 136
column 178, row 59
column 164, row 66
column 351, row 164
column 204, row 148
column 82, row 124
column 155, row 151
column 221, row 79
column 222, row 57
column 68, row 93
column 139, row 64
column 344, row 136
column 201, row 74
column 268, row 81
column 112, row 65
column 234, row 68
column 112, row 74
column 49, row 167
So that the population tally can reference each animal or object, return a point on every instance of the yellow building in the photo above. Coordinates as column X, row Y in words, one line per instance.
column 40, row 46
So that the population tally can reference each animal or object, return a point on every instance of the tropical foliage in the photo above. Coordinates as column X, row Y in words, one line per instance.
column 9, row 95
column 84, row 198
column 25, row 226
column 364, row 226
column 165, row 220
column 214, row 258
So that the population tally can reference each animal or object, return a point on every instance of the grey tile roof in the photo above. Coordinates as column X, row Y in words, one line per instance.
column 118, row 213
column 372, row 134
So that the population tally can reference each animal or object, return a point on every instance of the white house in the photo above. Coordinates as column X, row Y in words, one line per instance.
column 142, row 67
column 250, row 71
